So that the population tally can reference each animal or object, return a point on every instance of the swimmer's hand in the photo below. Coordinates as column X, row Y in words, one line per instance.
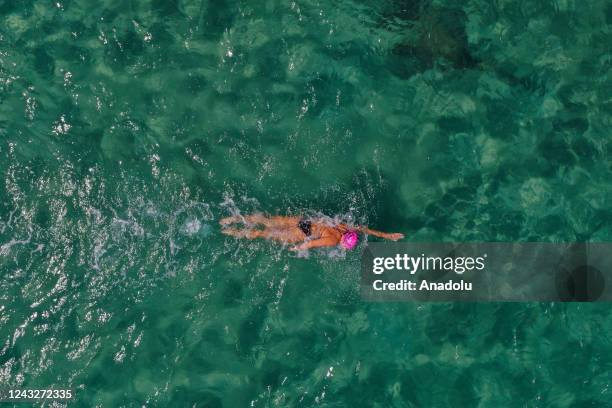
column 395, row 236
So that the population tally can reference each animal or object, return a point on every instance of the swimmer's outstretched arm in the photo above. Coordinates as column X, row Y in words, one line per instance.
column 315, row 243
column 393, row 236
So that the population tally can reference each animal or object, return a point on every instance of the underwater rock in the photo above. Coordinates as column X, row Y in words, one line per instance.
column 431, row 36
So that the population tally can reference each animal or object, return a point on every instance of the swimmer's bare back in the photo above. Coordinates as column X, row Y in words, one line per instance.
column 295, row 230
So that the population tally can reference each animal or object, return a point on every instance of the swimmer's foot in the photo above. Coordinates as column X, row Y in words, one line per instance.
column 249, row 220
column 229, row 220
column 234, row 232
column 244, row 233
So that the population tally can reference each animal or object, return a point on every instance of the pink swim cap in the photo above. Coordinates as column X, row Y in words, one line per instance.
column 349, row 240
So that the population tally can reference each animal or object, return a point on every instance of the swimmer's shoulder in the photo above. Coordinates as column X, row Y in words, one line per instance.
column 326, row 231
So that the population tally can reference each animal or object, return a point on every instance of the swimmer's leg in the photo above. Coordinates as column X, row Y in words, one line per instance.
column 277, row 221
column 245, row 233
column 285, row 235
column 281, row 221
column 257, row 218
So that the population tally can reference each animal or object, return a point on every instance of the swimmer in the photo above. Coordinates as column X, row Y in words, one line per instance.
column 304, row 233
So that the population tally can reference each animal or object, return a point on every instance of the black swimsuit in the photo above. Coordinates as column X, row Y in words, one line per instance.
column 305, row 226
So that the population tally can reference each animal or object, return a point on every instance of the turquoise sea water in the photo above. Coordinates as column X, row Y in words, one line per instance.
column 128, row 128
